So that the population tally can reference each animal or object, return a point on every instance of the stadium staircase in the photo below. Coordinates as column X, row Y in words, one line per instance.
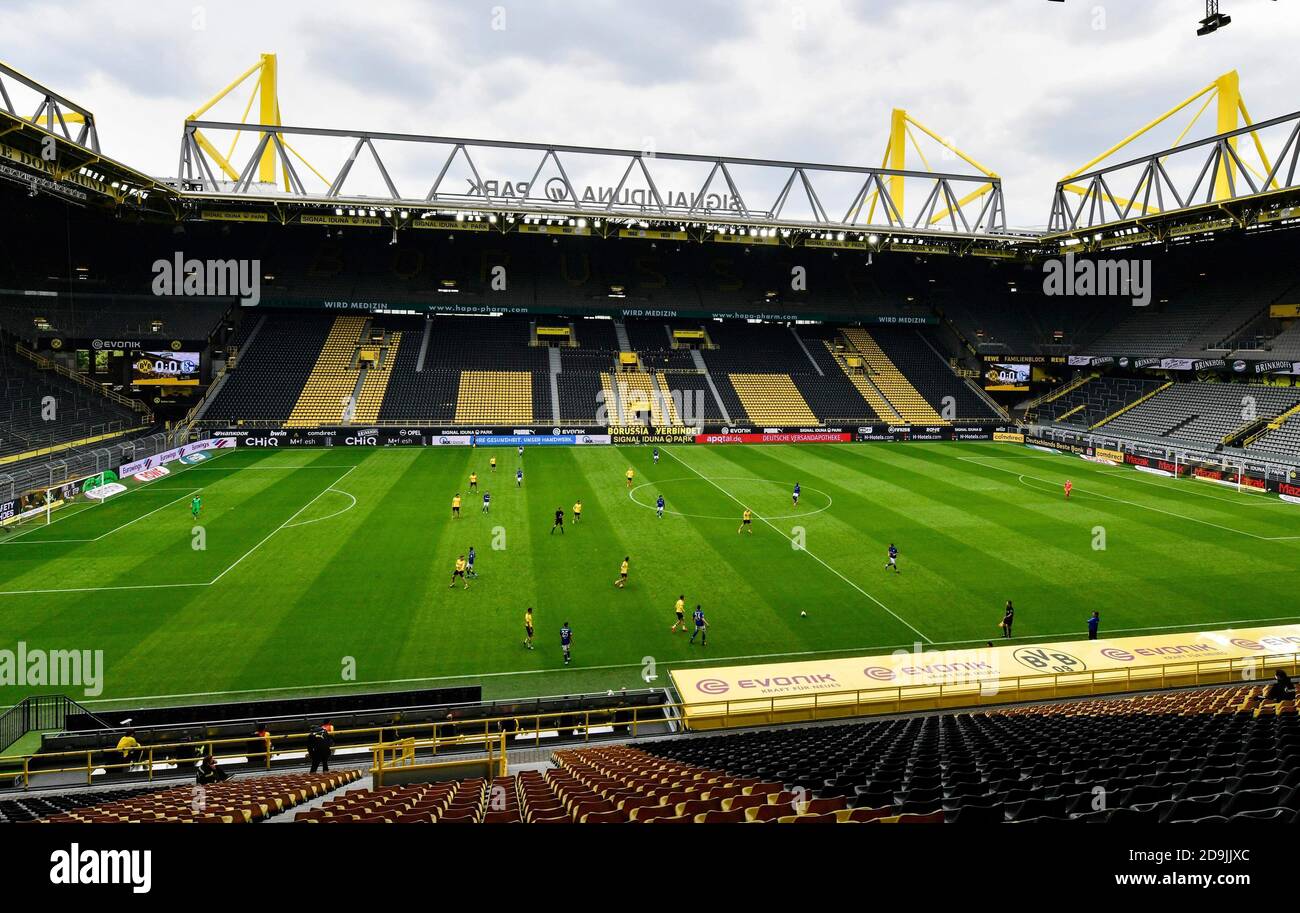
column 903, row 398
column 870, row 392
column 329, row 389
column 1133, row 405
column 374, row 382
column 1064, row 390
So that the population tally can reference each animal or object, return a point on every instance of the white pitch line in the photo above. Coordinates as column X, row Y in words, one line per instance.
column 866, row 651
column 280, row 527
column 337, row 513
column 167, row 586
column 111, row 531
column 1097, row 494
column 899, row 618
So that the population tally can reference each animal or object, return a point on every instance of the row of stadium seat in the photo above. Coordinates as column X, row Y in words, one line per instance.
column 302, row 369
column 241, row 801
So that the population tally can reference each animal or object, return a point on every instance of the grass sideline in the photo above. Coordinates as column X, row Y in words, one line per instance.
column 326, row 571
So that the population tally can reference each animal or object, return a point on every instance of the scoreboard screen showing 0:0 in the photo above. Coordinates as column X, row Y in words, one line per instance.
column 166, row 369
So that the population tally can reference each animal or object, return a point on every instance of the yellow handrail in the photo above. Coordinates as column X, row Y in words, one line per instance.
column 709, row 714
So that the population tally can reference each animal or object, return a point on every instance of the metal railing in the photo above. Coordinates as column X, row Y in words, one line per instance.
column 529, row 730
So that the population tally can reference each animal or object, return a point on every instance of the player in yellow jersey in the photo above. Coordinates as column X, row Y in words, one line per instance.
column 577, row 512
column 622, row 574
column 459, row 572
column 680, row 611
column 493, row 463
column 455, row 507
column 747, row 521
column 473, row 481
column 631, row 474
column 528, row 628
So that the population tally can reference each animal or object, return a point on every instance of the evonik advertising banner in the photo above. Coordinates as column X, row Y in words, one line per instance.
column 170, row 456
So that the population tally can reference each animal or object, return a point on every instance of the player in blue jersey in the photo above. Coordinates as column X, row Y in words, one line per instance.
column 701, row 627
column 566, row 641
column 795, row 496
column 519, row 477
column 892, row 563
column 656, row 456
column 487, row 502
column 469, row 569
column 659, row 507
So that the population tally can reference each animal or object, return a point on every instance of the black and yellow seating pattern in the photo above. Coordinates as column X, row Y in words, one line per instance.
column 332, row 381
column 772, row 399
column 905, row 398
column 498, row 397
column 375, row 385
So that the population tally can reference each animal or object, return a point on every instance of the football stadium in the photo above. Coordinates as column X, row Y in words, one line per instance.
column 351, row 472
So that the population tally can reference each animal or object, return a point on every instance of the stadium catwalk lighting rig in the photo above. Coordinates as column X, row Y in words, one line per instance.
column 1213, row 21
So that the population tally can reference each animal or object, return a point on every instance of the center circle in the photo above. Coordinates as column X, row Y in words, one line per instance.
column 804, row 490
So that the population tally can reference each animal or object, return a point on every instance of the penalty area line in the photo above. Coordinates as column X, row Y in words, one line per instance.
column 780, row 532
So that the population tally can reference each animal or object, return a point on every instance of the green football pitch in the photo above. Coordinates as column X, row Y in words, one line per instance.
column 327, row 571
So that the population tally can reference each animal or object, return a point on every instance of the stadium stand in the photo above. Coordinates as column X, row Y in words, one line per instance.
column 82, row 412
column 931, row 375
column 896, row 388
column 1093, row 401
column 271, row 372
column 1202, row 414
column 244, row 800
column 1282, row 436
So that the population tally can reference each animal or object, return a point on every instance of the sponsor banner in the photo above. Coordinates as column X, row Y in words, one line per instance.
column 1009, row 437
column 214, row 215
column 7, row 510
column 1290, row 499
column 524, row 440
column 1105, row 453
column 766, row 438
column 1196, row 228
column 322, row 219
column 984, row 674
column 448, row 225
column 1028, row 359
column 152, row 475
column 104, row 492
column 171, row 456
column 1139, row 237
column 192, row 458
column 651, row 234
column 653, row 436
column 1279, row 311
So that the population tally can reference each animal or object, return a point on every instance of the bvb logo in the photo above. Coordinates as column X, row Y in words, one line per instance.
column 176, row 345
column 56, row 343
column 1041, row 659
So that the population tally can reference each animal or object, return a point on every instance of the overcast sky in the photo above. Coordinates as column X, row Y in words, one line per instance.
column 1029, row 88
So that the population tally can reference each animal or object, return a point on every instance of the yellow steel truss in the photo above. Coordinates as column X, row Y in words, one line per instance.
column 266, row 93
column 1231, row 113
column 895, row 158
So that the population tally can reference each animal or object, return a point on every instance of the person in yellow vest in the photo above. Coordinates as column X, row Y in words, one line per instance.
column 577, row 512
column 459, row 572
column 680, row 611
column 129, row 748
column 747, row 522
column 631, row 473
column 455, row 507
